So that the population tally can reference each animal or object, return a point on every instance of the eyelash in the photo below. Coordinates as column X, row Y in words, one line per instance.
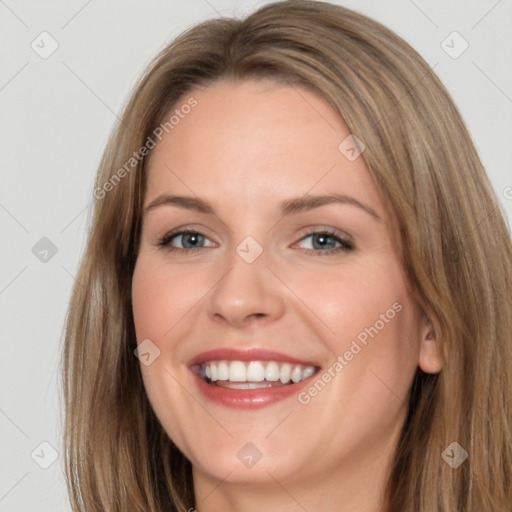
column 345, row 244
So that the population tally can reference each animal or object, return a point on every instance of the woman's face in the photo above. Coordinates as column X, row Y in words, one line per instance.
column 269, row 285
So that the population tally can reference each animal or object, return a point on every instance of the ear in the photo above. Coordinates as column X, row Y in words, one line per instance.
column 430, row 355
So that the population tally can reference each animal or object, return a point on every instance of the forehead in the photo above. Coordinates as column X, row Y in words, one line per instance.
column 254, row 142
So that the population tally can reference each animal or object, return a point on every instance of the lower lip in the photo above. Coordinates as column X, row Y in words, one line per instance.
column 248, row 398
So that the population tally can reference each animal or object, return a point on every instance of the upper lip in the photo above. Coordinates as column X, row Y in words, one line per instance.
column 247, row 354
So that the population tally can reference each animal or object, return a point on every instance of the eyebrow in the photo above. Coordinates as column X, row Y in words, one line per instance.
column 287, row 207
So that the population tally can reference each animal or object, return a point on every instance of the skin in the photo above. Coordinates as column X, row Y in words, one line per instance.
column 244, row 148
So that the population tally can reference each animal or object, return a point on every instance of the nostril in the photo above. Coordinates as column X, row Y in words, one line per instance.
column 255, row 315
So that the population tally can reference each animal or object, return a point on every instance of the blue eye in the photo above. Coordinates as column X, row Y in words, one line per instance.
column 188, row 237
column 324, row 242
column 327, row 240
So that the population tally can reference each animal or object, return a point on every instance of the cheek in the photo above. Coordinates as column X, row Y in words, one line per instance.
column 371, row 318
column 353, row 298
column 161, row 297
column 376, row 336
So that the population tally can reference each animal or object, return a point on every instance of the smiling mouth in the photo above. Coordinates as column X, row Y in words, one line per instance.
column 253, row 374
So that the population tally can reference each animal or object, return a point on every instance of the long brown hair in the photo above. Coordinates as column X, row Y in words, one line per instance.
column 455, row 248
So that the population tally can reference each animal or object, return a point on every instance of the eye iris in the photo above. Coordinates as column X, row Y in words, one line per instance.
column 322, row 238
column 193, row 238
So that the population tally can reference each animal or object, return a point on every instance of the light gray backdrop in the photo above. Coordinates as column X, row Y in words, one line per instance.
column 57, row 111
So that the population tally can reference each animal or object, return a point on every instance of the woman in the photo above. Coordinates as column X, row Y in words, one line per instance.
column 296, row 292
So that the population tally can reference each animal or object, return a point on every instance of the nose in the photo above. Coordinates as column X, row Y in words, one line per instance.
column 247, row 293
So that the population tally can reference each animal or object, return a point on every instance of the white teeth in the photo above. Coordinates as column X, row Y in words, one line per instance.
column 223, row 371
column 272, row 371
column 296, row 374
column 255, row 372
column 237, row 372
column 286, row 372
column 307, row 372
column 213, row 371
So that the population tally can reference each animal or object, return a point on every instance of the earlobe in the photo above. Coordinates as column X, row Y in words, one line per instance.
column 430, row 355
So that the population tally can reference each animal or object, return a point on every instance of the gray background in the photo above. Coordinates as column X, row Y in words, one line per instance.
column 56, row 116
